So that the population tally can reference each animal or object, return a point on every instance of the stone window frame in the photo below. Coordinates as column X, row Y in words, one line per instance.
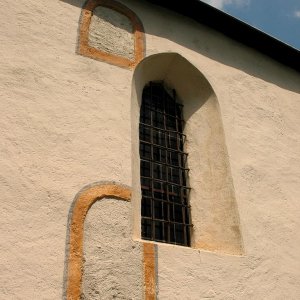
column 91, row 52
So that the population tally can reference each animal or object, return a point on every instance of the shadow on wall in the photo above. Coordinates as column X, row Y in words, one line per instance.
column 160, row 21
column 214, row 212
column 78, row 3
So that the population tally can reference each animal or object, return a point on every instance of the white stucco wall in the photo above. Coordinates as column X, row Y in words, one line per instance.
column 66, row 122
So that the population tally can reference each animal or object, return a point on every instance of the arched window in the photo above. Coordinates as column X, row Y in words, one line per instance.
column 214, row 211
column 165, row 206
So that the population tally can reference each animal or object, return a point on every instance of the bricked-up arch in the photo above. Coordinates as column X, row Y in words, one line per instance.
column 74, row 271
column 80, row 209
column 86, row 48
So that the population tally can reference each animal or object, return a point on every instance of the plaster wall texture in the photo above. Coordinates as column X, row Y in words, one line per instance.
column 113, row 261
column 111, row 32
column 66, row 122
column 59, row 130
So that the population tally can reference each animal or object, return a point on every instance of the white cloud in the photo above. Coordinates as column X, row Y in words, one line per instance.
column 221, row 3
column 297, row 13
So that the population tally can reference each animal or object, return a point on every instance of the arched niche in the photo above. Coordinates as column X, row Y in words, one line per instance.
column 214, row 210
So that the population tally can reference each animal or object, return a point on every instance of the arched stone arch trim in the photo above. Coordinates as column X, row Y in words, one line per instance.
column 82, row 204
column 138, row 32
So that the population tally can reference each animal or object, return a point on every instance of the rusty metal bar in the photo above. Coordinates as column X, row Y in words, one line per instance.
column 165, row 205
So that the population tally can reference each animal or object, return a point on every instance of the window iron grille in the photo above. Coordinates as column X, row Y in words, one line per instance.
column 165, row 210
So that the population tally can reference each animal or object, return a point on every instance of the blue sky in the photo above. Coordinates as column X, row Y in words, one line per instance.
column 278, row 18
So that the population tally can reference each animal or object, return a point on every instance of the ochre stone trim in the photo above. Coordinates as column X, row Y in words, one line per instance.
column 83, row 203
column 138, row 31
column 149, row 271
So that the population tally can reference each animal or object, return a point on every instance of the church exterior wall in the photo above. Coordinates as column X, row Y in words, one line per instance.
column 66, row 122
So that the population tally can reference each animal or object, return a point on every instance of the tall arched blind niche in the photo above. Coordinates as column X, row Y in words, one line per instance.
column 165, row 210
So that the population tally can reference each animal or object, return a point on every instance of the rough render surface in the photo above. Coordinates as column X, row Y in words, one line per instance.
column 60, row 130
column 112, row 260
column 111, row 32
column 211, row 276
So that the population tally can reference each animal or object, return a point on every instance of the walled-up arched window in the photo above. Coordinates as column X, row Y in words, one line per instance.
column 111, row 32
column 165, row 193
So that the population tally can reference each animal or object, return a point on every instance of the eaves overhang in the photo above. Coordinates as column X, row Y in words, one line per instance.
column 235, row 29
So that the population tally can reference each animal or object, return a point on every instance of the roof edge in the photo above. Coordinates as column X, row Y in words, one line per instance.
column 235, row 29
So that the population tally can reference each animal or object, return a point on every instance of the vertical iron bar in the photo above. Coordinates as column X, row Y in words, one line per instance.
column 152, row 157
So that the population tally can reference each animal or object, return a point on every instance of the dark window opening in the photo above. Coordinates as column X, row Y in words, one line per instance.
column 165, row 209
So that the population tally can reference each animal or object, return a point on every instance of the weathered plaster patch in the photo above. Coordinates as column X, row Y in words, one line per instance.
column 83, row 203
column 111, row 32
column 113, row 264
column 103, row 260
column 111, row 40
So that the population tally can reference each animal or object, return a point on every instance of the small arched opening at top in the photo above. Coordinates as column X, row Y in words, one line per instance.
column 213, row 207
